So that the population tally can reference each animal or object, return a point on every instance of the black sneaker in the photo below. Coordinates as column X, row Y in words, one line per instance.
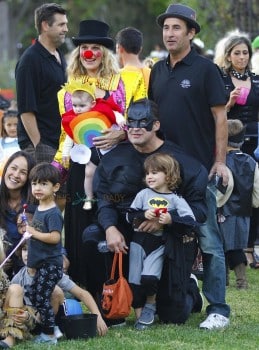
column 113, row 323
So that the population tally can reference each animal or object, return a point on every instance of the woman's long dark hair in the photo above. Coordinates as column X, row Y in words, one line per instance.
column 4, row 191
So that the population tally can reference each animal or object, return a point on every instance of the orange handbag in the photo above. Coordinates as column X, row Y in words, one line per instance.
column 117, row 295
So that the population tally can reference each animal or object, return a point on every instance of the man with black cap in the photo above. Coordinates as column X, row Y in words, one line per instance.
column 191, row 101
column 117, row 180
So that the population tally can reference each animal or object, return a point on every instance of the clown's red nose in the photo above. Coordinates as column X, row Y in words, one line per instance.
column 88, row 54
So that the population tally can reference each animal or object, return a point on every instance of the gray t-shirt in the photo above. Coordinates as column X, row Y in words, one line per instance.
column 39, row 252
column 25, row 280
column 150, row 199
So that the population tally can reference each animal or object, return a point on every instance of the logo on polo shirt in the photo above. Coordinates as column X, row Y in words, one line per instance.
column 185, row 84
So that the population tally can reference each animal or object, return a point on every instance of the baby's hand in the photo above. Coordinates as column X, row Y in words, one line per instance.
column 21, row 316
column 120, row 120
column 150, row 214
column 29, row 230
column 165, row 219
column 159, row 211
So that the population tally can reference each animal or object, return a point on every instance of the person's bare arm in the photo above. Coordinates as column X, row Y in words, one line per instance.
column 88, row 300
column 115, row 240
column 232, row 99
column 30, row 124
column 150, row 225
column 48, row 237
column 221, row 137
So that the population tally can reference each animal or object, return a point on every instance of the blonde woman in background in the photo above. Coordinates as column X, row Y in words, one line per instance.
column 237, row 74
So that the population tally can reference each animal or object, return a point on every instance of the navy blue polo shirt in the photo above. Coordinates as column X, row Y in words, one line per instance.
column 184, row 95
column 39, row 76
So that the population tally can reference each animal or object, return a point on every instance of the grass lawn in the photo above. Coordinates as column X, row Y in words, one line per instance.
column 243, row 332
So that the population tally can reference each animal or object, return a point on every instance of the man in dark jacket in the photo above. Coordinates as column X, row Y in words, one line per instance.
column 117, row 180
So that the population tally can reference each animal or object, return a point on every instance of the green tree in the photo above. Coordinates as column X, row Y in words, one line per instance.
column 216, row 17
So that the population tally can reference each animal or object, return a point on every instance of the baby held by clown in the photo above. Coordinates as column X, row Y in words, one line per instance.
column 86, row 119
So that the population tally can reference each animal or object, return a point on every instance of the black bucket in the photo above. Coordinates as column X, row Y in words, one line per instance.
column 80, row 326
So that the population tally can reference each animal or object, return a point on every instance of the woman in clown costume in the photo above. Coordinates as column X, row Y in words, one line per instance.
column 94, row 62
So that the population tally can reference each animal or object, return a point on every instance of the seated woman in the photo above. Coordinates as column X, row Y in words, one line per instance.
column 14, row 193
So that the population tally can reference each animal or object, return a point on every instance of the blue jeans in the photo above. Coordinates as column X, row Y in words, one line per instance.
column 214, row 269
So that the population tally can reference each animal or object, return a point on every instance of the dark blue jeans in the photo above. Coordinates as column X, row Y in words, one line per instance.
column 214, row 269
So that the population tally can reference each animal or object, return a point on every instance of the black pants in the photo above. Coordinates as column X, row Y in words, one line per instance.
column 176, row 308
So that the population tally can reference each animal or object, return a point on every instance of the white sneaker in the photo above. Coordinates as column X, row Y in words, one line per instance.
column 87, row 205
column 45, row 338
column 57, row 332
column 215, row 321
